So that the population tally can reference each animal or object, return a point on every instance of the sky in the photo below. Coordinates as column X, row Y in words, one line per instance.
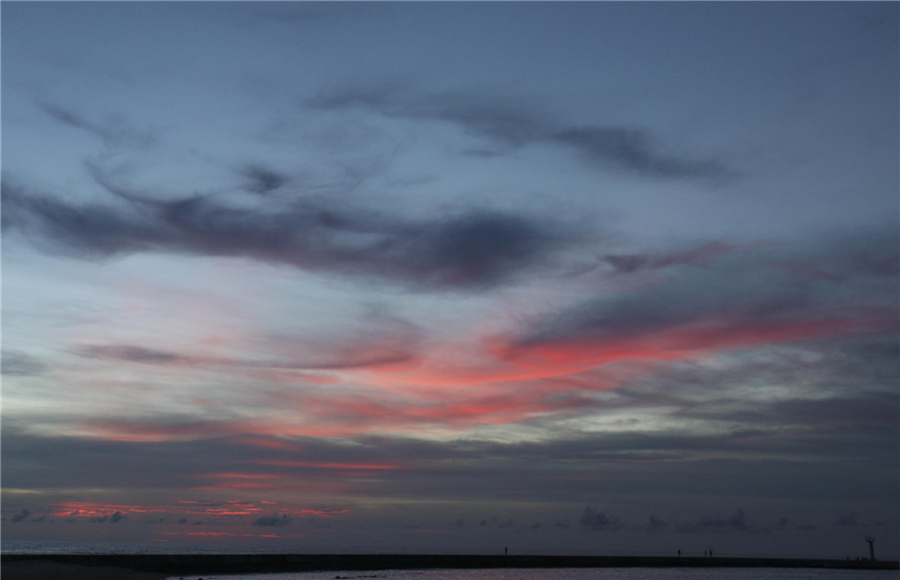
column 575, row 277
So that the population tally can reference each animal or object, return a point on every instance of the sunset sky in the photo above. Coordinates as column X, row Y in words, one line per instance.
column 448, row 277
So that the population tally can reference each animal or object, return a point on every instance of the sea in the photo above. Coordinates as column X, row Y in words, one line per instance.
column 578, row 574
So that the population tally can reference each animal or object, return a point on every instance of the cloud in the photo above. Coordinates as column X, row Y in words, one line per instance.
column 273, row 520
column 117, row 517
column 847, row 520
column 89, row 230
column 476, row 249
column 655, row 524
column 703, row 254
column 20, row 364
column 737, row 522
column 594, row 520
column 517, row 123
column 740, row 302
column 130, row 353
column 262, row 180
column 636, row 151
column 381, row 350
column 111, row 132
column 21, row 516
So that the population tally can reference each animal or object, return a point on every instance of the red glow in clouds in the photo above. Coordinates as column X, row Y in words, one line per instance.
column 86, row 509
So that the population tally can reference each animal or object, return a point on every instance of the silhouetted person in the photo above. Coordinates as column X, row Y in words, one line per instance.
column 679, row 553
column 710, row 553
column 506, row 551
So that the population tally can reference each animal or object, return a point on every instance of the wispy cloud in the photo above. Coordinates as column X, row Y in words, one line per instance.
column 737, row 303
column 518, row 123
column 20, row 364
column 111, row 132
column 475, row 249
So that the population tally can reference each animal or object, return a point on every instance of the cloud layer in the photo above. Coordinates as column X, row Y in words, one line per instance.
column 518, row 123
column 475, row 249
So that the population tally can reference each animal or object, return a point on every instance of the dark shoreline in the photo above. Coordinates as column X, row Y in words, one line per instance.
column 209, row 564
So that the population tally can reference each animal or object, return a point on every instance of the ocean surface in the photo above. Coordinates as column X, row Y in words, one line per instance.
column 579, row 574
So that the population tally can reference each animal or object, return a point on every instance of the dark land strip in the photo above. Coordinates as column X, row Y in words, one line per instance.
column 147, row 566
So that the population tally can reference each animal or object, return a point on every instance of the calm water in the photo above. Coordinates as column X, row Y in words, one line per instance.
column 583, row 574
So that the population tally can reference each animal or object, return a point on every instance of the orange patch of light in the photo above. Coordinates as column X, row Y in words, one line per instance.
column 329, row 465
column 240, row 476
column 224, row 512
column 330, row 513
column 683, row 343
column 242, row 485
column 93, row 509
column 267, row 443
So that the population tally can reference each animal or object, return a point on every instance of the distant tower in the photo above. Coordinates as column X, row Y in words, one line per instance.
column 871, row 541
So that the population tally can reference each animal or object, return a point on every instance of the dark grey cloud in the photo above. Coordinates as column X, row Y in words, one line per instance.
column 379, row 350
column 20, row 364
column 473, row 249
column 129, row 353
column 841, row 385
column 592, row 519
column 635, row 150
column 736, row 522
column 517, row 123
column 655, row 524
column 864, row 411
column 273, row 521
column 846, row 520
column 88, row 230
column 262, row 180
column 21, row 516
column 703, row 254
column 117, row 517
